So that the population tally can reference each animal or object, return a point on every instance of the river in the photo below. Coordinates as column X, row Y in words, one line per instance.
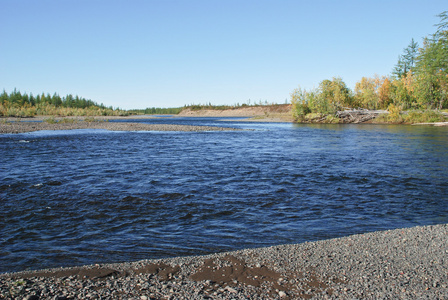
column 95, row 196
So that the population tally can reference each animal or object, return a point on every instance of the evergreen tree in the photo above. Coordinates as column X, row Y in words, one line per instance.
column 432, row 67
column 4, row 97
column 56, row 100
column 32, row 100
column 406, row 61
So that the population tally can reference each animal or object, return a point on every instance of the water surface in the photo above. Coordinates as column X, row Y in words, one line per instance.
column 94, row 196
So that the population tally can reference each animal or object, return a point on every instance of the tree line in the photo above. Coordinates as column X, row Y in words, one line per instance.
column 16, row 104
column 156, row 111
column 419, row 81
column 197, row 107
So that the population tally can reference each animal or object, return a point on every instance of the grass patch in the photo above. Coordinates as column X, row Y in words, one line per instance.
column 68, row 120
column 427, row 116
column 313, row 116
column 332, row 120
column 412, row 117
column 92, row 119
column 50, row 120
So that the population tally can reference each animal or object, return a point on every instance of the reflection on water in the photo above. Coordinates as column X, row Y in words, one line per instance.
column 92, row 196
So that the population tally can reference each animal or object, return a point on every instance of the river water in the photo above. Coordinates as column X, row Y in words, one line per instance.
column 94, row 196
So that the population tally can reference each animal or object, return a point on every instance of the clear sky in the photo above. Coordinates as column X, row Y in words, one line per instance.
column 168, row 53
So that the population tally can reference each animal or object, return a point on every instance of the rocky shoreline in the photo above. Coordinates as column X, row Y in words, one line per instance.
column 408, row 263
column 21, row 127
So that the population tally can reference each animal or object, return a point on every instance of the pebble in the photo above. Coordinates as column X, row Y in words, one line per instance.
column 351, row 274
column 20, row 127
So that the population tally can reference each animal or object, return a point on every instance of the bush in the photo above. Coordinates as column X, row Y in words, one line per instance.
column 332, row 119
column 89, row 119
column 301, row 110
column 50, row 120
column 68, row 120
column 394, row 115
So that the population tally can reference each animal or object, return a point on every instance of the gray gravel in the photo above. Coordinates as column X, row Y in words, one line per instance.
column 407, row 263
column 21, row 127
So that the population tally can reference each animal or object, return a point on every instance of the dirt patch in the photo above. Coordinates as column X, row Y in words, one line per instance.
column 230, row 272
column 164, row 271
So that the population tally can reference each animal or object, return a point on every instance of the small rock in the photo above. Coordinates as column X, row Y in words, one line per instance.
column 282, row 294
column 232, row 290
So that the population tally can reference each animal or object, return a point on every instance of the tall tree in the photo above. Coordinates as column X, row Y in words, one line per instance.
column 432, row 67
column 407, row 60
column 441, row 38
column 333, row 96
column 365, row 93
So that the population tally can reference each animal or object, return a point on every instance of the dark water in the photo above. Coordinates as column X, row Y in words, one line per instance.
column 92, row 196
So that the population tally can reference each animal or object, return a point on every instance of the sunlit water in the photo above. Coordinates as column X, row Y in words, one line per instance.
column 94, row 196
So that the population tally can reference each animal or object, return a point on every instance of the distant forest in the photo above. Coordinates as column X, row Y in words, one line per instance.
column 156, row 111
column 17, row 104
column 419, row 81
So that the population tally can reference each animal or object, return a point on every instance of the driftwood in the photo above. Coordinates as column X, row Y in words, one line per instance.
column 358, row 115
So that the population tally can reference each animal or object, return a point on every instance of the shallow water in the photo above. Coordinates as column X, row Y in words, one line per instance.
column 93, row 196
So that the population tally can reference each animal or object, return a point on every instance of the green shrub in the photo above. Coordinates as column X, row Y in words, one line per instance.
column 332, row 119
column 394, row 115
column 89, row 119
column 50, row 120
column 68, row 120
column 301, row 110
column 427, row 116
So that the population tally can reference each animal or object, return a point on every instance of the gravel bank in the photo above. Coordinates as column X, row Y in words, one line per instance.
column 21, row 127
column 407, row 263
column 248, row 111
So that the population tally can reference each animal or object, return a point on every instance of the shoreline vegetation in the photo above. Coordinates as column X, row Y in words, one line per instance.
column 407, row 263
column 265, row 113
column 416, row 92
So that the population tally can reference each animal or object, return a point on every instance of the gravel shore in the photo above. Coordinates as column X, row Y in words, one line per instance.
column 409, row 263
column 21, row 127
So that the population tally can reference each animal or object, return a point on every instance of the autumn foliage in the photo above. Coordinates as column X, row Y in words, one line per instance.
column 419, row 81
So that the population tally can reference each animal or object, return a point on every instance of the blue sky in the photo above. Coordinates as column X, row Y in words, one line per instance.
column 168, row 53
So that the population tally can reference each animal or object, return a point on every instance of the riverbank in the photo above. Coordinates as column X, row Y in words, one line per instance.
column 404, row 263
column 283, row 113
column 262, row 113
column 22, row 127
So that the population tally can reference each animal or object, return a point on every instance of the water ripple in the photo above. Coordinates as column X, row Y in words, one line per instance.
column 73, row 198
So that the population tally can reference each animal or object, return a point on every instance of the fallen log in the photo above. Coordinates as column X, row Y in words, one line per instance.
column 358, row 115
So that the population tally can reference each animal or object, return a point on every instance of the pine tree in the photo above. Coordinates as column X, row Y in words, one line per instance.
column 407, row 60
